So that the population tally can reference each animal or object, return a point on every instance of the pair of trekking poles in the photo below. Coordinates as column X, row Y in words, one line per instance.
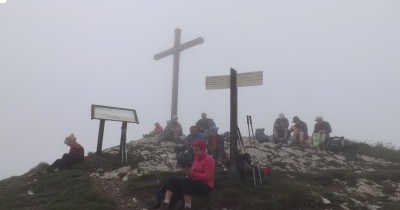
column 256, row 170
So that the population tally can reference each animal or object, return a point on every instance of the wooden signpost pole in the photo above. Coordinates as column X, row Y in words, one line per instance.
column 233, row 81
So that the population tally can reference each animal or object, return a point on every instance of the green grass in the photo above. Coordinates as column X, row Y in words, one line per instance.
column 64, row 190
column 277, row 192
column 73, row 189
column 381, row 150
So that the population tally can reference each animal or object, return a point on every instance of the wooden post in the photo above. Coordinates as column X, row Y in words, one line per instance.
column 234, row 126
column 100, row 138
column 122, row 146
column 175, row 52
column 175, row 78
column 233, row 81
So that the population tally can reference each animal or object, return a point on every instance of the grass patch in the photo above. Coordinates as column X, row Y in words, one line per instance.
column 278, row 191
column 379, row 150
column 62, row 190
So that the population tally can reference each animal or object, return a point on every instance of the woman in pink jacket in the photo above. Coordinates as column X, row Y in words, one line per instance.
column 199, row 178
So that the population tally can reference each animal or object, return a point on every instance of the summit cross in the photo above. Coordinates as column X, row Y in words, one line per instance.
column 175, row 52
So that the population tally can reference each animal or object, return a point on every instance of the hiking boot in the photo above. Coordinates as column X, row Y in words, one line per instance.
column 155, row 204
column 179, row 205
column 164, row 206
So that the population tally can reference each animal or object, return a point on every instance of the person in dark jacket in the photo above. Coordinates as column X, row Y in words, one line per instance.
column 300, row 132
column 75, row 155
column 323, row 128
column 281, row 128
column 204, row 124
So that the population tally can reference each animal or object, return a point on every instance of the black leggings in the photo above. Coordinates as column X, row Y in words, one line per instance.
column 187, row 186
column 66, row 161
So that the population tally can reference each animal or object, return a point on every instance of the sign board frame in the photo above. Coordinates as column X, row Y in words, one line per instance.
column 243, row 79
column 123, row 115
column 101, row 112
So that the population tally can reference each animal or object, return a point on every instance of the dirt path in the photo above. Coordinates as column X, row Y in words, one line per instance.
column 114, row 189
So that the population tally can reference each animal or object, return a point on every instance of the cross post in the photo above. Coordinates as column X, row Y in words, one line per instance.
column 175, row 52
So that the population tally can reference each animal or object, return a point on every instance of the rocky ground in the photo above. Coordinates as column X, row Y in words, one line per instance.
column 370, row 192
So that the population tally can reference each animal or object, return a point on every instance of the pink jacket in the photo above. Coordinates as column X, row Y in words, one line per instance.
column 203, row 169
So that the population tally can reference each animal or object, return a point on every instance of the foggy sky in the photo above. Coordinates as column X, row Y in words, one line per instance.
column 339, row 59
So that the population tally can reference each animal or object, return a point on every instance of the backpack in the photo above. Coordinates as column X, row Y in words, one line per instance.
column 316, row 139
column 335, row 144
column 260, row 135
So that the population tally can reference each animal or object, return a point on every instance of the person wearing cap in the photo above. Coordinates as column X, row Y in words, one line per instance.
column 300, row 132
column 281, row 128
column 173, row 130
column 75, row 155
column 199, row 179
column 323, row 128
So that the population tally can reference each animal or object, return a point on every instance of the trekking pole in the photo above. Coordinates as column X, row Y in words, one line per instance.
column 240, row 140
column 259, row 172
column 253, row 168
column 248, row 127
column 252, row 131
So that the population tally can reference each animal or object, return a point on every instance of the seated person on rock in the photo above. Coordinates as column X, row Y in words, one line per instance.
column 322, row 129
column 199, row 179
column 281, row 128
column 193, row 136
column 204, row 124
column 173, row 130
column 300, row 132
column 75, row 155
column 158, row 130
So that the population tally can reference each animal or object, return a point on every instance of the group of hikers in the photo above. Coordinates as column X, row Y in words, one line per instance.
column 204, row 144
column 297, row 134
column 204, row 129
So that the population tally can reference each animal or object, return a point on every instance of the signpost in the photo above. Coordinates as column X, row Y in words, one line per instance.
column 233, row 81
column 175, row 52
column 123, row 115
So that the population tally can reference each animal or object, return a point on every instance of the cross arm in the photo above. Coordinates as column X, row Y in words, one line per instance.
column 179, row 48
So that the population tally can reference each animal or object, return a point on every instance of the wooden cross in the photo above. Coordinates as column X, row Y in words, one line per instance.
column 175, row 52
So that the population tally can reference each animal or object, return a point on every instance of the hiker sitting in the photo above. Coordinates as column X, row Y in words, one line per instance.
column 281, row 128
column 322, row 129
column 75, row 155
column 173, row 130
column 199, row 179
column 300, row 132
column 204, row 124
column 158, row 130
column 193, row 136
